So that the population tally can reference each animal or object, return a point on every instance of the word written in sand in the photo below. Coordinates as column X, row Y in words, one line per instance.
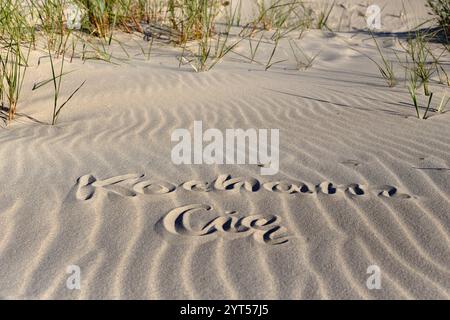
column 264, row 229
column 131, row 185
column 230, row 150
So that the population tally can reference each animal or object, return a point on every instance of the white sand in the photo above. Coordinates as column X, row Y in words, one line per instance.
column 338, row 123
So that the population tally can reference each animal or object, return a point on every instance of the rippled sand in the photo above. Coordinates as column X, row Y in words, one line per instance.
column 362, row 182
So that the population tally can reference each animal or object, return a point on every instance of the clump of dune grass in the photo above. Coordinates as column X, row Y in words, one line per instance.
column 56, row 80
column 324, row 15
column 441, row 10
column 303, row 60
column 211, row 47
column 194, row 19
column 148, row 10
column 291, row 15
column 276, row 38
column 16, row 39
column 254, row 47
column 30, row 19
column 13, row 67
column 49, row 16
column 279, row 14
column 419, row 59
column 413, row 84
column 385, row 67
column 412, row 88
column 16, row 22
column 442, row 73
column 413, row 95
column 267, row 16
column 421, row 63
column 207, row 14
column 103, row 15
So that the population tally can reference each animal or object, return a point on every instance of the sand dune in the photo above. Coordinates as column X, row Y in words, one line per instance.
column 362, row 182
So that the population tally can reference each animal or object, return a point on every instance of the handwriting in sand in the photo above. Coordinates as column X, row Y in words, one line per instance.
column 131, row 185
column 264, row 229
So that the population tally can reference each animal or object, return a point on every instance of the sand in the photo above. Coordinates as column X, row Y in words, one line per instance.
column 361, row 182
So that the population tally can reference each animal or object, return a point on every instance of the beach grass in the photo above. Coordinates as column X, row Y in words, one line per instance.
column 440, row 9
column 202, row 31
column 13, row 67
